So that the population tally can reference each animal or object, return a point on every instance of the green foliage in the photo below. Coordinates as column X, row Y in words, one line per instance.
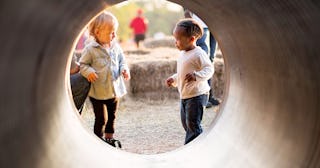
column 124, row 14
column 160, row 18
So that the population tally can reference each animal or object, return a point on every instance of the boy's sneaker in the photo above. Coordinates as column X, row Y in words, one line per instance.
column 113, row 142
column 209, row 105
column 214, row 101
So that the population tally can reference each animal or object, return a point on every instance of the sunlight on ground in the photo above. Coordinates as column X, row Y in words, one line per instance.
column 149, row 127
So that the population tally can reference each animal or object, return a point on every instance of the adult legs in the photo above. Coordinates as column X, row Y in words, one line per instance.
column 202, row 41
column 212, row 44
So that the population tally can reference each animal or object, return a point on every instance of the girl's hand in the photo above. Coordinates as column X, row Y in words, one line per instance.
column 169, row 82
column 190, row 77
column 92, row 77
column 125, row 75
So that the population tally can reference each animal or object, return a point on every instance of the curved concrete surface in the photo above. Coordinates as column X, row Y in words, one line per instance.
column 270, row 116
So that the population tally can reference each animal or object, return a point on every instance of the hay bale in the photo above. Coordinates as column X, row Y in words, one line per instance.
column 163, row 42
column 218, row 79
column 149, row 72
column 148, row 80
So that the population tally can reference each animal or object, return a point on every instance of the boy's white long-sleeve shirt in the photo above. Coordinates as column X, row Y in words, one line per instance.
column 198, row 62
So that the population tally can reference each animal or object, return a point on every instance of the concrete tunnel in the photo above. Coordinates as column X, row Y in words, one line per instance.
column 270, row 115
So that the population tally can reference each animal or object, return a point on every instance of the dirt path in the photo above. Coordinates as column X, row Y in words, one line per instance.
column 149, row 127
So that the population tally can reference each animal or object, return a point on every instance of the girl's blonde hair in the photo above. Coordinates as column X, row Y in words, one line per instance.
column 104, row 20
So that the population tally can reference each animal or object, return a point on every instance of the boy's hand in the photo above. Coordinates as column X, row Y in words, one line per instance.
column 92, row 77
column 190, row 77
column 125, row 75
column 169, row 82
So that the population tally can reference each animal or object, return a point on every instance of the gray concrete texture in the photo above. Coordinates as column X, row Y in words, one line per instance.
column 270, row 115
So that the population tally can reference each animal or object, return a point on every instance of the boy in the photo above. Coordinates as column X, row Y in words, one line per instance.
column 194, row 68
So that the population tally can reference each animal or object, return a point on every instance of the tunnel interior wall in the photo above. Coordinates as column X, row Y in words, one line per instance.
column 270, row 116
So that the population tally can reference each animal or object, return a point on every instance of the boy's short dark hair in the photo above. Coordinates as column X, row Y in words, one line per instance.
column 192, row 27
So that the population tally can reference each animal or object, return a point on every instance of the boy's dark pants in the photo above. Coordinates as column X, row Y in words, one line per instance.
column 191, row 111
column 101, row 123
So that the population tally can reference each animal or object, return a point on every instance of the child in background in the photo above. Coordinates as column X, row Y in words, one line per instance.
column 103, row 64
column 139, row 24
column 193, row 71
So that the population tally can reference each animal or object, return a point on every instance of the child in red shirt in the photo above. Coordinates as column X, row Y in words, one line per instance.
column 139, row 24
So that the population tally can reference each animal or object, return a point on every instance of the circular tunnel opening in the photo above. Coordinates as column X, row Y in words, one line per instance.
column 270, row 115
column 149, row 113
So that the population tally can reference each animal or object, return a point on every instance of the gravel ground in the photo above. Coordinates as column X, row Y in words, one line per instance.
column 149, row 127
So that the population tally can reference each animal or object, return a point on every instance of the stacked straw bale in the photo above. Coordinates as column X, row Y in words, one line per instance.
column 151, row 66
column 218, row 78
column 148, row 80
column 163, row 42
